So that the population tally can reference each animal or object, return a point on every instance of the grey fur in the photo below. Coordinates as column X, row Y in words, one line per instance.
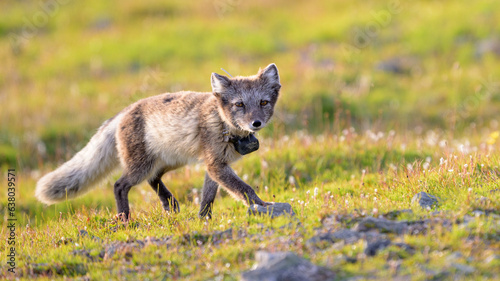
column 165, row 132
column 79, row 174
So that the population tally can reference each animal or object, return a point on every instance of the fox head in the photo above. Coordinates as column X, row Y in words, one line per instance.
column 247, row 103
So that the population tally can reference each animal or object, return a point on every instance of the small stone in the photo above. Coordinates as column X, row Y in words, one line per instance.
column 347, row 235
column 478, row 213
column 285, row 266
column 467, row 269
column 425, row 200
column 110, row 251
column 454, row 256
column 373, row 248
column 325, row 240
column 397, row 65
column 383, row 225
column 489, row 45
column 274, row 210
column 84, row 233
column 407, row 248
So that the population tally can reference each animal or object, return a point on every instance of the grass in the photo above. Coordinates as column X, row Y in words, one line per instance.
column 382, row 176
column 351, row 138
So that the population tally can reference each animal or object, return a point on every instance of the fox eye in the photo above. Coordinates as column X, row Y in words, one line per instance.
column 263, row 102
column 239, row 104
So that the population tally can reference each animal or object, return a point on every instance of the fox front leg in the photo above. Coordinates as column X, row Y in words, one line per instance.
column 225, row 176
column 208, row 194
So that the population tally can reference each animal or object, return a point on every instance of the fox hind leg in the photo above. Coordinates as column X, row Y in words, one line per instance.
column 121, row 190
column 167, row 199
column 132, row 176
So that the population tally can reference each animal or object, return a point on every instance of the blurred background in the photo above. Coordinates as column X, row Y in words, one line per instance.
column 380, row 65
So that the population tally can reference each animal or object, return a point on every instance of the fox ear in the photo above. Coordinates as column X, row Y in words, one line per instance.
column 219, row 83
column 270, row 73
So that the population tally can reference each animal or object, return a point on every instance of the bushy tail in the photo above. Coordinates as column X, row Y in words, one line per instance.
column 89, row 166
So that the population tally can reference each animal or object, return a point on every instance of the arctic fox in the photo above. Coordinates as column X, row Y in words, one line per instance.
column 165, row 132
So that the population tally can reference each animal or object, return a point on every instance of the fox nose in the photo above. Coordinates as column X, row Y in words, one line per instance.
column 256, row 123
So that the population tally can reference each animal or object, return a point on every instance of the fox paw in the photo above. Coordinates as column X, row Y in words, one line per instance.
column 172, row 206
column 262, row 203
column 122, row 217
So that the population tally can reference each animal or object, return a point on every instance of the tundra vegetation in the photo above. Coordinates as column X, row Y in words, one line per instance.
column 385, row 141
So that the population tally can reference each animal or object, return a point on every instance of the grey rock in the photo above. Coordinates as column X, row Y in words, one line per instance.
column 110, row 251
column 283, row 266
column 425, row 200
column 478, row 213
column 374, row 247
column 274, row 210
column 347, row 235
column 84, row 233
column 467, row 269
column 200, row 239
column 408, row 248
column 87, row 254
column 325, row 240
column 383, row 225
column 454, row 257
column 489, row 45
column 398, row 65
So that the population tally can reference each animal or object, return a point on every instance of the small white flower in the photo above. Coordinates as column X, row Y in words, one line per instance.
column 442, row 161
column 409, row 167
column 316, row 191
column 450, row 170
